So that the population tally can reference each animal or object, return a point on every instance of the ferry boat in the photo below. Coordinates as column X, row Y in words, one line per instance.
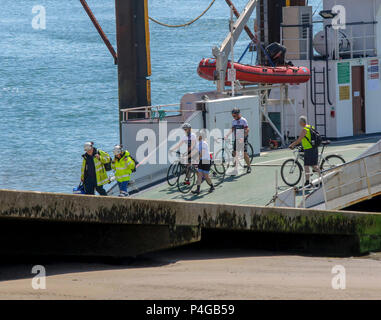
column 341, row 48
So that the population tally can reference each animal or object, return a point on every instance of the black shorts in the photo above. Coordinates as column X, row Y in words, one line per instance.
column 311, row 157
column 204, row 166
column 245, row 142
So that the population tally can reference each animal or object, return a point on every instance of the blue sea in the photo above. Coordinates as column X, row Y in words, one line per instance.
column 58, row 86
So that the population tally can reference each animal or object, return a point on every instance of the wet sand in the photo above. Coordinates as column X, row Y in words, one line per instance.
column 197, row 274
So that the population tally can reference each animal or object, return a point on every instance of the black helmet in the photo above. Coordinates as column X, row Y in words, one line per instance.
column 236, row 111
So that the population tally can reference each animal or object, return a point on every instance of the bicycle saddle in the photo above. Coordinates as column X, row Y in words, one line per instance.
column 326, row 142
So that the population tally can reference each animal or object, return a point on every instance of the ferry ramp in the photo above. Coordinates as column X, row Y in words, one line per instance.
column 352, row 183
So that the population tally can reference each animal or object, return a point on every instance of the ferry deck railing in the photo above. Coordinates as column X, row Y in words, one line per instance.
column 365, row 50
column 158, row 112
column 355, row 32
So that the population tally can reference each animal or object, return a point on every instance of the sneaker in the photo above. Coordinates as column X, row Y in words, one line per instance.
column 211, row 189
column 123, row 194
column 248, row 170
column 197, row 191
column 234, row 172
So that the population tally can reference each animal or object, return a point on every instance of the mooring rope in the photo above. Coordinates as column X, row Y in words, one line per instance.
column 184, row 24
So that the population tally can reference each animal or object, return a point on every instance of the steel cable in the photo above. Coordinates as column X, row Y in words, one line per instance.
column 184, row 24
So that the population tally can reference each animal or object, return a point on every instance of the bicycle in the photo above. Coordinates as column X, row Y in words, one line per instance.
column 174, row 171
column 291, row 170
column 184, row 176
column 225, row 154
column 186, row 179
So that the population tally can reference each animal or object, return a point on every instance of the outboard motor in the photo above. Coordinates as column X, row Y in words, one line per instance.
column 277, row 53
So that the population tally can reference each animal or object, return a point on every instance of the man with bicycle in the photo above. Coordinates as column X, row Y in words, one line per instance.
column 188, row 139
column 240, row 130
column 311, row 153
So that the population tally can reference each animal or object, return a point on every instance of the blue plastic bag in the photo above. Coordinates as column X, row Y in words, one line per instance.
column 79, row 190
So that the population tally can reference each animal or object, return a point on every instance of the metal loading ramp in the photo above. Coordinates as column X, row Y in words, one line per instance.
column 350, row 183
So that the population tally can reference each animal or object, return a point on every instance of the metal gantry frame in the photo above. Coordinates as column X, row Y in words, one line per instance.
column 222, row 53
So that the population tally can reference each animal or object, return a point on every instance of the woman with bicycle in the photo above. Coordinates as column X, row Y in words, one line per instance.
column 311, row 153
column 204, row 164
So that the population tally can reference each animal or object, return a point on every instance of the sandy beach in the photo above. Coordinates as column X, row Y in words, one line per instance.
column 197, row 274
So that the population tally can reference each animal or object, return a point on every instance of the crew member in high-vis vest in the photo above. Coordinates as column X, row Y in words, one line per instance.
column 93, row 173
column 311, row 153
column 123, row 165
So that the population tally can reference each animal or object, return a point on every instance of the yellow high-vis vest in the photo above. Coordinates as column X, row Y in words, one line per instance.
column 123, row 167
column 306, row 141
column 100, row 170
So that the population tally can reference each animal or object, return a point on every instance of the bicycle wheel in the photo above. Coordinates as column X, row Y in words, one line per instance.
column 291, row 172
column 250, row 152
column 222, row 161
column 218, row 167
column 186, row 179
column 215, row 176
column 331, row 161
column 172, row 173
column 241, row 159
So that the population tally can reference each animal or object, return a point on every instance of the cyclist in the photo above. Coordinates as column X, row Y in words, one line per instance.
column 240, row 130
column 190, row 139
column 311, row 154
column 204, row 164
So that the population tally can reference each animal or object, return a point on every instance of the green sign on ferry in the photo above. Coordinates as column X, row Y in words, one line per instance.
column 343, row 72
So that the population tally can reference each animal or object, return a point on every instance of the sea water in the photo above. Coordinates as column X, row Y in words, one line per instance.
column 58, row 85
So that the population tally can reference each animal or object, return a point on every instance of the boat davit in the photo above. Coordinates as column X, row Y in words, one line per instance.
column 256, row 74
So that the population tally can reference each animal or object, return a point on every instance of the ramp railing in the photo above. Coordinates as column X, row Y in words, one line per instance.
column 352, row 182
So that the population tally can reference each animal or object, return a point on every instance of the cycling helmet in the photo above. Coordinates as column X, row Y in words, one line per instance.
column 236, row 111
column 186, row 126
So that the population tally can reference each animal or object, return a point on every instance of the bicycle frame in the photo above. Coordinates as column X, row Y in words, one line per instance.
column 228, row 146
column 299, row 154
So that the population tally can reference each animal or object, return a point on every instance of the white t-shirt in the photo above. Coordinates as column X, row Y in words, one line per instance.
column 203, row 149
column 189, row 141
column 239, row 124
column 192, row 138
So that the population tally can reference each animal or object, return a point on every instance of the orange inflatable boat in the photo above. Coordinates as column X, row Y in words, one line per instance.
column 256, row 74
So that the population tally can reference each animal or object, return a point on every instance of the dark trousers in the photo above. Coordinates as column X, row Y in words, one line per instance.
column 91, row 186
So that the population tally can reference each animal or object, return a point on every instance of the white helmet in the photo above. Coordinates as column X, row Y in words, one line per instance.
column 186, row 125
column 118, row 149
column 88, row 146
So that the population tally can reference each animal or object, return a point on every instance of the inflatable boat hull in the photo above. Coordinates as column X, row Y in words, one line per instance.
column 256, row 74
